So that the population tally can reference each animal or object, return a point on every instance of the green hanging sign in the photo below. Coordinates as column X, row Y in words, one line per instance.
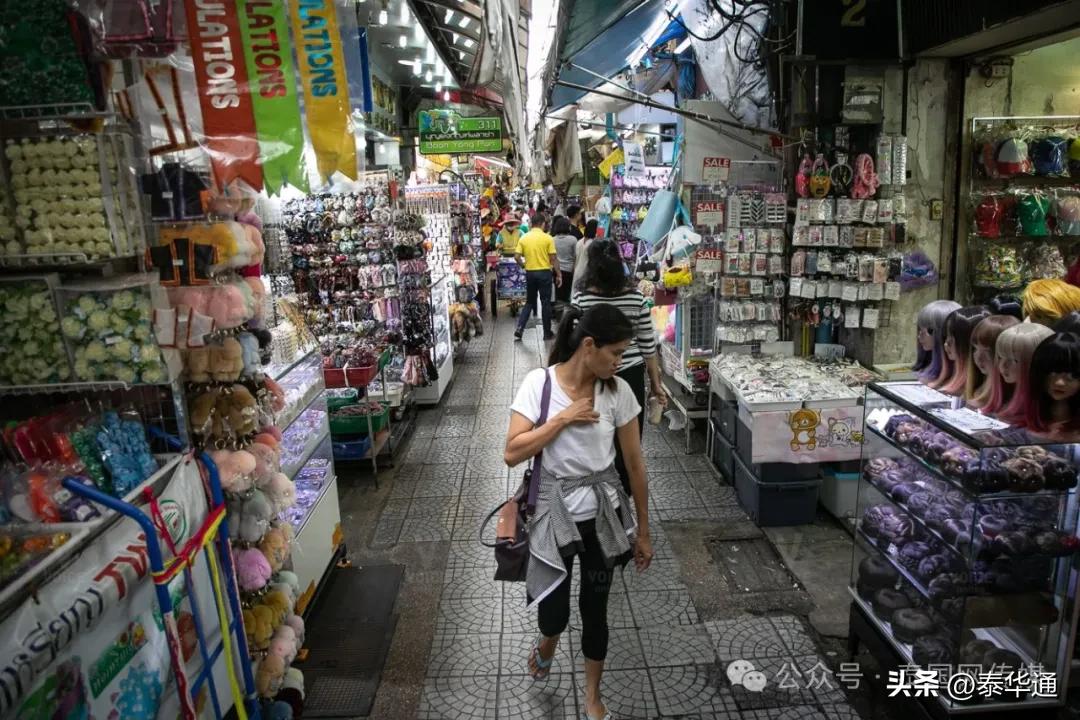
column 265, row 31
column 445, row 132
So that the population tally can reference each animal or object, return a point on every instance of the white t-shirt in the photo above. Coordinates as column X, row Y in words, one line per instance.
column 580, row 449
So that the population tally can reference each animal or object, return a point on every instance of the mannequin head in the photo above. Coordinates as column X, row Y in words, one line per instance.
column 1047, row 301
column 931, row 322
column 1069, row 323
column 1054, row 379
column 957, row 345
column 982, row 371
column 1014, row 349
column 1006, row 305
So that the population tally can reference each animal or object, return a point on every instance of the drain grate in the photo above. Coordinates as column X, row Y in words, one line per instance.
column 751, row 565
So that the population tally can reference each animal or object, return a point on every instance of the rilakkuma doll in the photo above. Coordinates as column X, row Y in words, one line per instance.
column 1047, row 301
column 1053, row 408
column 1014, row 349
column 957, row 345
column 931, row 323
column 981, row 371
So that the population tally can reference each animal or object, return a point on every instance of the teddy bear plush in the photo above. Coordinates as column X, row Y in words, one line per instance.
column 252, row 569
column 269, row 676
column 275, row 548
column 250, row 626
column 205, row 421
column 277, row 402
column 227, row 305
column 197, row 364
column 278, row 603
column 238, row 412
column 236, row 469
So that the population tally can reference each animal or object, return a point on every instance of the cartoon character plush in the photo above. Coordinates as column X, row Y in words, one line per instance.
column 804, row 425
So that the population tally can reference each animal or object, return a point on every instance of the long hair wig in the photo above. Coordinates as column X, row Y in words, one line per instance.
column 1059, row 353
column 932, row 319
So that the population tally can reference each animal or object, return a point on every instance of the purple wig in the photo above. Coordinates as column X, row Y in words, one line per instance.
column 932, row 319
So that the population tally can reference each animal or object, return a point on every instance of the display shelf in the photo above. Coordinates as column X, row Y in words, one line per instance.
column 279, row 371
column 76, row 387
column 286, row 420
column 310, row 447
column 953, row 708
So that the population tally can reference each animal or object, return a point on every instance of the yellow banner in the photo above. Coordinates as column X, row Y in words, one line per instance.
column 606, row 166
column 326, row 88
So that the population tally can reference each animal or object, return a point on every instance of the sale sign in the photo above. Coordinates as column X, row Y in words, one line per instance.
column 709, row 214
column 222, row 79
column 709, row 260
column 715, row 170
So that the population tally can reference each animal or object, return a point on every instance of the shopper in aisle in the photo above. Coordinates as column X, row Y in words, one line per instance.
column 509, row 235
column 577, row 221
column 581, row 259
column 606, row 283
column 536, row 253
column 581, row 508
column 566, row 250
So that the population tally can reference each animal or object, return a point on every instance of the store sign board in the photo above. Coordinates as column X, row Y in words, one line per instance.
column 326, row 86
column 633, row 160
column 224, row 93
column 265, row 30
column 715, row 170
column 92, row 642
column 709, row 214
column 710, row 260
column 447, row 132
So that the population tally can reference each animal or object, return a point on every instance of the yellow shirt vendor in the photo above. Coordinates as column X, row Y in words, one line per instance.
column 537, row 248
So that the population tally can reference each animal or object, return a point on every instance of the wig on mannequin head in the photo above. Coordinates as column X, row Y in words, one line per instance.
column 1006, row 305
column 1059, row 353
column 1069, row 323
column 980, row 386
column 958, row 328
column 1016, row 344
column 932, row 320
column 1047, row 301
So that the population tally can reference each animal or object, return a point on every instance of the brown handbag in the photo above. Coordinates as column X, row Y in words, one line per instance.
column 512, row 529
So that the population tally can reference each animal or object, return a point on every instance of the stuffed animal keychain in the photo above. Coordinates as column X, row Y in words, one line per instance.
column 866, row 180
column 819, row 181
column 802, row 177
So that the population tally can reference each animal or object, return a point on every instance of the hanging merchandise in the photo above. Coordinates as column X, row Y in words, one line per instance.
column 265, row 32
column 326, row 88
column 224, row 94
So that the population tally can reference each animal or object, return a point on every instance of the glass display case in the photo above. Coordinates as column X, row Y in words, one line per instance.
column 303, row 436
column 965, row 543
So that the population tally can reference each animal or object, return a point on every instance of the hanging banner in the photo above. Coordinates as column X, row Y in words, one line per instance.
column 228, row 122
column 265, row 31
column 634, row 160
column 326, row 87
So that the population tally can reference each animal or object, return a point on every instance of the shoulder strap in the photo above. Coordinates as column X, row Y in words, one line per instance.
column 534, row 476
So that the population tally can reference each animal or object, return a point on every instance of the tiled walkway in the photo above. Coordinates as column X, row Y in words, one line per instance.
column 664, row 661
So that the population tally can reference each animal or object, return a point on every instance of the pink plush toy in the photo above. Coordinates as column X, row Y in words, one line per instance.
column 270, row 430
column 258, row 298
column 278, row 403
column 250, row 218
column 230, row 305
column 281, row 492
column 297, row 624
column 283, row 646
column 255, row 240
column 252, row 569
column 236, row 469
column 267, row 462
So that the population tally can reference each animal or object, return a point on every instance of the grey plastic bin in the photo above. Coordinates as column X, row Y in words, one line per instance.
column 772, row 504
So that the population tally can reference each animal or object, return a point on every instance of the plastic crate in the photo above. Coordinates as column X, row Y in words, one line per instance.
column 352, row 449
column 360, row 376
column 840, row 493
column 770, row 472
column 358, row 424
column 343, row 397
column 776, row 504
column 334, row 377
column 723, row 455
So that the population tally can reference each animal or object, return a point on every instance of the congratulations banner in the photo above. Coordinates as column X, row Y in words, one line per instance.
column 228, row 122
column 273, row 92
column 326, row 88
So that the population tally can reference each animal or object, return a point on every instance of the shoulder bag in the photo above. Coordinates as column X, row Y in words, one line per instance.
column 512, row 528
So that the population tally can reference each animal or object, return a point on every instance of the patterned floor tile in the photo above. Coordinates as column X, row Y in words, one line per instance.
column 427, row 523
column 467, row 529
column 396, row 507
column 695, row 463
column 522, row 698
column 662, row 574
column 690, row 689
column 481, row 501
column 670, row 490
column 456, row 410
column 746, row 638
column 661, row 464
column 474, row 582
column 516, row 617
column 387, row 531
column 517, row 646
column 455, row 654
column 624, row 650
column 473, row 484
column 446, row 448
column 459, row 698
column 469, row 555
column 408, row 471
column 666, row 646
column 627, row 693
column 454, row 427
column 663, row 607
column 794, row 634
column 468, row 615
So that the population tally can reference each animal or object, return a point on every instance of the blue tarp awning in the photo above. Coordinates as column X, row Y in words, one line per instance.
column 599, row 35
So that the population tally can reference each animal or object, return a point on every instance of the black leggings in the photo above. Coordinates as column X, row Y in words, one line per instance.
column 635, row 377
column 596, row 579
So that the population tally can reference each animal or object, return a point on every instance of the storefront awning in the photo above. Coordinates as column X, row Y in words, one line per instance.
column 598, row 35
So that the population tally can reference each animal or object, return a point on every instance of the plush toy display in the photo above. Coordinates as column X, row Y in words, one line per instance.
column 229, row 304
column 281, row 491
column 252, row 569
column 269, row 676
column 267, row 462
column 278, row 602
column 275, row 548
column 236, row 469
column 224, row 417
column 250, row 362
column 250, row 517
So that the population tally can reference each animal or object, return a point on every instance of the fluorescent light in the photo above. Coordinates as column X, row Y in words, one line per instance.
column 464, row 22
column 448, row 17
column 438, row 87
column 428, row 76
column 416, row 68
column 461, row 54
column 682, row 46
column 404, row 12
column 402, row 41
column 468, row 42
column 384, row 17
column 429, row 54
column 405, row 62
column 418, row 31
column 454, row 37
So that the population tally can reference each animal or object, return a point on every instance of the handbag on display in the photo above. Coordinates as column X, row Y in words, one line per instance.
column 512, row 529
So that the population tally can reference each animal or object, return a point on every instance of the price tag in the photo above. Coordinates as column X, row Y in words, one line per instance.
column 864, row 292
column 892, row 291
column 836, row 288
column 851, row 318
column 809, row 289
column 709, row 260
column 870, row 318
column 850, row 293
column 757, row 286
column 709, row 214
column 796, row 287
column 876, row 291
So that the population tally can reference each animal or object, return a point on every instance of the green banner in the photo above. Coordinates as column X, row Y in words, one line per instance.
column 265, row 31
column 444, row 132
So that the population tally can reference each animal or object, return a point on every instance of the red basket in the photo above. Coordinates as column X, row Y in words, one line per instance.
column 360, row 376
column 334, row 377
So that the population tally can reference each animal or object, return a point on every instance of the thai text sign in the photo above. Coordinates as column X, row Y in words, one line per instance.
column 446, row 132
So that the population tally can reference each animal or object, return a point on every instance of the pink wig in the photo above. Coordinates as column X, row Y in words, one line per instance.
column 1018, row 343
column 959, row 327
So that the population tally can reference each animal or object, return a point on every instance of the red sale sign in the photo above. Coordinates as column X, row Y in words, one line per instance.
column 715, row 170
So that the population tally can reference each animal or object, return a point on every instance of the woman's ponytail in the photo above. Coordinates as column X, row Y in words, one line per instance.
column 567, row 338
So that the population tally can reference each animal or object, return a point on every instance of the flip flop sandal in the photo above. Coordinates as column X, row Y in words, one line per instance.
column 607, row 716
column 543, row 667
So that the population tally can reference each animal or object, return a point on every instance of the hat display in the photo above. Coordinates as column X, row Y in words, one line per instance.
column 1012, row 158
column 1048, row 155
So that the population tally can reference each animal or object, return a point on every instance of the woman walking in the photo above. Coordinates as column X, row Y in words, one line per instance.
column 605, row 282
column 566, row 252
column 581, row 510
